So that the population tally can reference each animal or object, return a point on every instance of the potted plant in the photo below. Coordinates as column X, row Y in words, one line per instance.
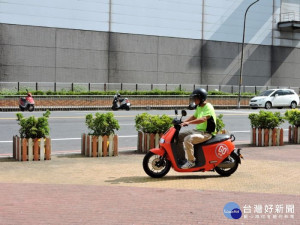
column 293, row 117
column 220, row 125
column 34, row 142
column 150, row 128
column 265, row 131
column 101, row 139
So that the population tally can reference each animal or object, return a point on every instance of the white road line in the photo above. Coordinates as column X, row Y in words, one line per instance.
column 66, row 139
column 127, row 136
column 242, row 131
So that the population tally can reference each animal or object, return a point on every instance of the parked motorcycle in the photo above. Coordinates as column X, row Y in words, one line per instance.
column 217, row 154
column 119, row 103
column 26, row 103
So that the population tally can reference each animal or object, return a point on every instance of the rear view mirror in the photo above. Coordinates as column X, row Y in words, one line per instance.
column 192, row 106
column 183, row 113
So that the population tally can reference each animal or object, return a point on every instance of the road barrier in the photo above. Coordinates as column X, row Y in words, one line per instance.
column 70, row 86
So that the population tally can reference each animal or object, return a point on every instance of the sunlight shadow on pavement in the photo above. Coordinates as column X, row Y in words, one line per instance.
column 146, row 179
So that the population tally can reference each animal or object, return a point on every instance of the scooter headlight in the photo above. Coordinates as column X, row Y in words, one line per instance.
column 162, row 141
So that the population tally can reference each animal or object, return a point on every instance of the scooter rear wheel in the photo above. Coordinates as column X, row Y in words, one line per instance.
column 226, row 172
column 155, row 165
column 30, row 108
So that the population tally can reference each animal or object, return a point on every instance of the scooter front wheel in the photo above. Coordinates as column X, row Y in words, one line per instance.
column 156, row 166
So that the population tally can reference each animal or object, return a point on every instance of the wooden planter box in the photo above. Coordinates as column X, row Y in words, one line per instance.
column 147, row 141
column 31, row 149
column 294, row 134
column 224, row 131
column 267, row 137
column 99, row 146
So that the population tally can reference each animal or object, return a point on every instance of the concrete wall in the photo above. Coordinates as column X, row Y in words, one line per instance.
column 52, row 55
column 40, row 54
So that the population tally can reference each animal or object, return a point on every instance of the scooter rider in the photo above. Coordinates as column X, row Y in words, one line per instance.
column 205, row 118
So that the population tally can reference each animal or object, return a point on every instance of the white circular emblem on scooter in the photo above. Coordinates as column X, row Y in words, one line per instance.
column 221, row 150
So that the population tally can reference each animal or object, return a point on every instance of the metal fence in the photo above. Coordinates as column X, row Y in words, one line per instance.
column 290, row 16
column 81, row 87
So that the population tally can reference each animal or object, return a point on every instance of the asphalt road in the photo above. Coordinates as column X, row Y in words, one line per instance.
column 66, row 128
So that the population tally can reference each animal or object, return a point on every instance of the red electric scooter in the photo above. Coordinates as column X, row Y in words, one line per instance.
column 217, row 154
column 26, row 103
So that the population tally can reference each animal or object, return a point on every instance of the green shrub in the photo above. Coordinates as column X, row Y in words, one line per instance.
column 220, row 124
column 79, row 88
column 218, row 93
column 5, row 91
column 293, row 117
column 152, row 124
column 265, row 119
column 32, row 127
column 102, row 124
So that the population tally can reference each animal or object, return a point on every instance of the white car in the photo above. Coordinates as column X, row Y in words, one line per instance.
column 278, row 98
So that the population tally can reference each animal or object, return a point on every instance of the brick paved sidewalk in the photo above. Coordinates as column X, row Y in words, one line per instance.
column 81, row 204
column 77, row 190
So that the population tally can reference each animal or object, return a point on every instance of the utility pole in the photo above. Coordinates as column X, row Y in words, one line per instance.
column 242, row 55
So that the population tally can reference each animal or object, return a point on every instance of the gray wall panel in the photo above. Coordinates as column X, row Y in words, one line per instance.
column 81, row 75
column 283, row 54
column 216, row 65
column 293, row 82
column 214, row 49
column 286, row 70
column 173, row 63
column 178, row 78
column 257, row 52
column 133, row 61
column 133, row 43
column 179, row 46
column 147, row 77
column 78, row 58
column 27, row 56
column 27, row 35
column 27, row 74
column 78, row 39
column 257, row 68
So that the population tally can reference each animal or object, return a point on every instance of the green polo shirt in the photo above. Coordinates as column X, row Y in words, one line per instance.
column 207, row 110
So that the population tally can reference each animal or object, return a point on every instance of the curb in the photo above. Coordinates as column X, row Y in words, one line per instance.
column 108, row 108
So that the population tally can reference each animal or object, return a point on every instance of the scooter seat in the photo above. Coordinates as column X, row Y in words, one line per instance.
column 216, row 139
